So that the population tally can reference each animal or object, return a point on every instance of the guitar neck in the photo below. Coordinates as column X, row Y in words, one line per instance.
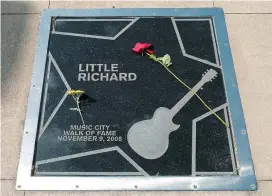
column 187, row 97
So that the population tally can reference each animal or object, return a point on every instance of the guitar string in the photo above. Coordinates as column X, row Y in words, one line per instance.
column 183, row 83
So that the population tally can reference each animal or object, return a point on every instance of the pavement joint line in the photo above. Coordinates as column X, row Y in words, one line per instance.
column 7, row 179
column 260, row 13
column 20, row 13
column 266, row 180
column 233, row 13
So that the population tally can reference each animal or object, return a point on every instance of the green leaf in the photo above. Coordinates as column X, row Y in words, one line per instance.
column 165, row 60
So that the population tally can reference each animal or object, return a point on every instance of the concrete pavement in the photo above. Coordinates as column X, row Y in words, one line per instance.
column 249, row 27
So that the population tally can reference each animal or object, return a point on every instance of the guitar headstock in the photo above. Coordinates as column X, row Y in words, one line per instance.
column 209, row 75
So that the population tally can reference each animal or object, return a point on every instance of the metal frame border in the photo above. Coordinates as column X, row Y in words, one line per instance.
column 245, row 180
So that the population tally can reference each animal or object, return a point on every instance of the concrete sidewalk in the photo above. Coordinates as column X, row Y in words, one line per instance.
column 250, row 33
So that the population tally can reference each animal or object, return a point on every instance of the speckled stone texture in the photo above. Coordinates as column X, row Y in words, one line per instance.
column 120, row 104
column 250, row 37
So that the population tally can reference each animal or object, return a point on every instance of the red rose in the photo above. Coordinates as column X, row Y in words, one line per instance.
column 141, row 47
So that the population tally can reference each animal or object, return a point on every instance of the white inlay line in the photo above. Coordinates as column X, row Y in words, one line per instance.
column 90, row 173
column 182, row 46
column 131, row 161
column 59, row 71
column 99, row 151
column 97, row 36
column 45, row 91
column 43, row 128
column 230, row 140
column 214, row 173
column 214, row 43
column 93, row 19
column 191, row 19
column 194, row 134
column 83, row 35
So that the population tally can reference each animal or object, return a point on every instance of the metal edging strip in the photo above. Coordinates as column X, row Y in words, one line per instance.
column 244, row 181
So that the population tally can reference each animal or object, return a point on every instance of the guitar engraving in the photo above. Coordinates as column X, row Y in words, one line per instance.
column 150, row 138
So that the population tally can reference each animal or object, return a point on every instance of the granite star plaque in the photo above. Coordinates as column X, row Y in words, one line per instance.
column 106, row 112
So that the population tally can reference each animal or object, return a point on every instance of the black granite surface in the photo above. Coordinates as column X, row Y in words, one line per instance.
column 101, row 28
column 212, row 148
column 121, row 104
column 104, row 162
column 194, row 44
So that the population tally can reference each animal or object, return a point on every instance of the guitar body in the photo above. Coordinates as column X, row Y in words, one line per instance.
column 150, row 138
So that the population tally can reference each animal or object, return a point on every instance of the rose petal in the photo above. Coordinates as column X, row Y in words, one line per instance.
column 146, row 45
column 140, row 47
column 138, row 50
column 149, row 51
